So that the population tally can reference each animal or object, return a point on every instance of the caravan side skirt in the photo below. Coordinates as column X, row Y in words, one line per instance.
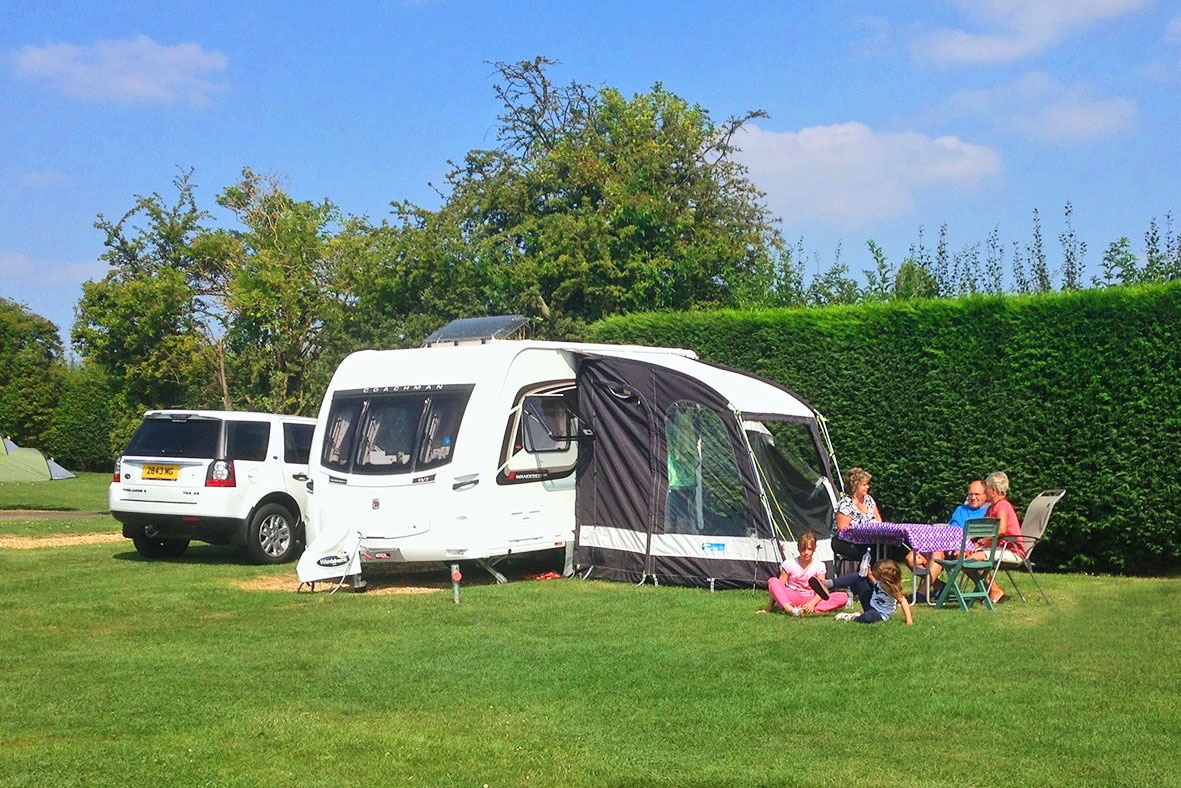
column 676, row 559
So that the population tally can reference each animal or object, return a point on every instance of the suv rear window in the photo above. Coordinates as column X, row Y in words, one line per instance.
column 191, row 436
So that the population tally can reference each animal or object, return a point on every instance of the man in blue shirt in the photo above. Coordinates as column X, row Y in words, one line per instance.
column 975, row 505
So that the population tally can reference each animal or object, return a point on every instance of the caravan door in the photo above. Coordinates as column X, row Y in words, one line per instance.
column 538, row 459
column 384, row 452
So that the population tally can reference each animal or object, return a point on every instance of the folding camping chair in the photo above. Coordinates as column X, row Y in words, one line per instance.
column 975, row 570
column 1037, row 516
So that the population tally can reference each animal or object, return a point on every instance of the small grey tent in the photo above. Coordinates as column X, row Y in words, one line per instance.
column 28, row 465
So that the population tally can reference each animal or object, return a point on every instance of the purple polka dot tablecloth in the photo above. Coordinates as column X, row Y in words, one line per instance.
column 922, row 537
column 926, row 538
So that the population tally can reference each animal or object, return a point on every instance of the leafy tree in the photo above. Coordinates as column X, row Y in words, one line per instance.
column 882, row 280
column 833, row 286
column 967, row 270
column 1172, row 249
column 82, row 422
column 1153, row 258
column 1020, row 280
column 194, row 316
column 1073, row 253
column 942, row 267
column 994, row 264
column 788, row 287
column 919, row 254
column 143, row 322
column 273, row 285
column 1119, row 265
column 411, row 276
column 596, row 204
column 1162, row 257
column 1037, row 258
column 914, row 282
column 32, row 359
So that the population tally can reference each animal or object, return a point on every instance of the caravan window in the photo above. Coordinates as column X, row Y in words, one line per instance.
column 390, row 425
column 393, row 432
column 443, row 414
column 790, row 466
column 704, row 486
column 339, row 435
column 539, row 442
column 545, row 424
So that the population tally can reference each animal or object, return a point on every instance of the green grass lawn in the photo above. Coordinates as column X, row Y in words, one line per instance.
column 86, row 493
column 121, row 671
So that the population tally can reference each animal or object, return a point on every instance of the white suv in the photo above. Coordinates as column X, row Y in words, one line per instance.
column 224, row 477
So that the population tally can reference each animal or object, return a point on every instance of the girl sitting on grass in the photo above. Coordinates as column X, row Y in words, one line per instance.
column 880, row 592
column 792, row 583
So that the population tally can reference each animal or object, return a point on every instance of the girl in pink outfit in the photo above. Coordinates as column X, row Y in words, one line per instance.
column 792, row 583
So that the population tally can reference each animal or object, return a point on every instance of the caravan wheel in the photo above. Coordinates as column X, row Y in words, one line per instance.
column 160, row 548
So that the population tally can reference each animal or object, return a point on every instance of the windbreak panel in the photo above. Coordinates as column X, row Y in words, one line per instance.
column 790, row 466
column 393, row 432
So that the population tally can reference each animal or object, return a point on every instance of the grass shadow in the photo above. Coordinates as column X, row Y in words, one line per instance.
column 196, row 554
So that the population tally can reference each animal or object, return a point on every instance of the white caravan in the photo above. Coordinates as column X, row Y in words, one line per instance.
column 476, row 452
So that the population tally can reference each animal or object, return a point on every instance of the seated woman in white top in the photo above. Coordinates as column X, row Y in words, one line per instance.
column 856, row 506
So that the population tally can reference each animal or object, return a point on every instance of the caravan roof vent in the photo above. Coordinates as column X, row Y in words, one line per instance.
column 479, row 330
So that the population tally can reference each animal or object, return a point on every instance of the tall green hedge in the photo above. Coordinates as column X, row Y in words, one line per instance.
column 1080, row 391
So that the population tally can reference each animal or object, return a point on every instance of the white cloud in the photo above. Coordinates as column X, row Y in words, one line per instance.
column 849, row 172
column 43, row 180
column 1016, row 28
column 1040, row 107
column 1173, row 30
column 136, row 70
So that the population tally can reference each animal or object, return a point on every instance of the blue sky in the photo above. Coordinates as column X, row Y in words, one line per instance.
column 884, row 117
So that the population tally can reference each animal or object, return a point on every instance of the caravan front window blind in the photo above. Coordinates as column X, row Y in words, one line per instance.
column 392, row 432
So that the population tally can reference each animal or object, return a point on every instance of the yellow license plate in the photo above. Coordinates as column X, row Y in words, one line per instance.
column 168, row 473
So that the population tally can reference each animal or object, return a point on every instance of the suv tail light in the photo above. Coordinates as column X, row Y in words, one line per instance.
column 221, row 474
column 118, row 469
